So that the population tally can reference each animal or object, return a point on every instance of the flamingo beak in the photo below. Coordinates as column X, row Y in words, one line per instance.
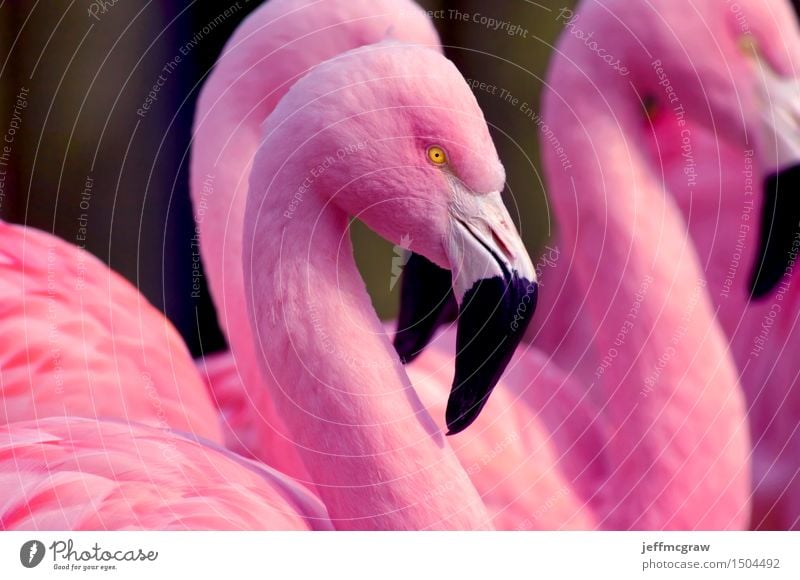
column 426, row 303
column 780, row 218
column 492, row 285
column 780, row 231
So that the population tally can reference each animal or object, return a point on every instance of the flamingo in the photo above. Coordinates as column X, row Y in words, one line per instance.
column 277, row 44
column 227, row 129
column 75, row 473
column 671, row 457
column 750, row 54
column 79, row 340
column 743, row 218
column 561, row 432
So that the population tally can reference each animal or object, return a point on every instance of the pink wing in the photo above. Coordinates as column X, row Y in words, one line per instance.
column 78, row 340
column 82, row 474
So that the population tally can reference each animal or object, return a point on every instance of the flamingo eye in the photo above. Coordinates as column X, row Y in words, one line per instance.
column 437, row 155
column 748, row 45
column 650, row 107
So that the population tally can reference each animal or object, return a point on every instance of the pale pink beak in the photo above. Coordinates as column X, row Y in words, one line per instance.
column 779, row 106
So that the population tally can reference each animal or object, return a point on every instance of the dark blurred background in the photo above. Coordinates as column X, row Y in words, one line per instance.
column 85, row 166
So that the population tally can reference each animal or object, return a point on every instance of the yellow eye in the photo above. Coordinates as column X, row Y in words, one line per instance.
column 748, row 45
column 437, row 155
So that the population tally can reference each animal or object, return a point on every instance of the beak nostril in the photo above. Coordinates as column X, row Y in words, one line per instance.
column 492, row 251
column 502, row 246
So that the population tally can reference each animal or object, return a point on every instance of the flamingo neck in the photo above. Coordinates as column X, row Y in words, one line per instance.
column 276, row 45
column 664, row 382
column 376, row 456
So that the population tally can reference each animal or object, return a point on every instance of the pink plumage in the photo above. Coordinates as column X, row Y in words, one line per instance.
column 279, row 43
column 654, row 360
column 82, row 474
column 723, row 214
column 106, row 423
column 586, row 448
column 79, row 340
column 656, row 440
column 715, row 170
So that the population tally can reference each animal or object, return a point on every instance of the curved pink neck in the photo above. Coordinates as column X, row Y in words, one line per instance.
column 664, row 383
column 277, row 44
column 377, row 458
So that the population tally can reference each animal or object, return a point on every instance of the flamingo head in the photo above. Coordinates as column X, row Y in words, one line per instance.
column 392, row 134
column 732, row 68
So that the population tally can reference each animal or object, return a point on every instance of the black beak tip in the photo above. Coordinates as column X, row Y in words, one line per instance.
column 485, row 345
column 408, row 346
column 762, row 286
column 780, row 235
column 461, row 415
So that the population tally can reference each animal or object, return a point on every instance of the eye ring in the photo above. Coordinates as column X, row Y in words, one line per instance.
column 437, row 155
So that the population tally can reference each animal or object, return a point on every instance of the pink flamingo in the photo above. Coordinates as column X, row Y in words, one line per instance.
column 81, row 344
column 714, row 173
column 79, row 340
column 476, row 264
column 366, row 440
column 743, row 215
column 275, row 46
column 71, row 473
column 508, row 497
column 228, row 127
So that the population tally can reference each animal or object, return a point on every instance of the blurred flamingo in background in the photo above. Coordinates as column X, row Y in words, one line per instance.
column 724, row 177
column 661, row 363
column 743, row 214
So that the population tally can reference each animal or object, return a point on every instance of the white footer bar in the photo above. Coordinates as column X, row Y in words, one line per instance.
column 390, row 555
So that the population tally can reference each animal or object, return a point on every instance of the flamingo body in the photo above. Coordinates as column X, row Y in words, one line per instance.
column 81, row 474
column 722, row 218
column 79, row 340
column 584, row 444
column 715, row 171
